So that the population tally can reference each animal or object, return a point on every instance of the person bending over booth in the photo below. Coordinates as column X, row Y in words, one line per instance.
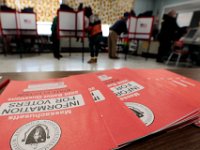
column 95, row 36
column 115, row 30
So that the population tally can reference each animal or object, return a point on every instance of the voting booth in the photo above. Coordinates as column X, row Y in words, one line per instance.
column 66, row 24
column 140, row 28
column 71, row 24
column 19, row 25
column 27, row 24
column 131, row 25
column 9, row 25
column 80, row 24
column 144, row 28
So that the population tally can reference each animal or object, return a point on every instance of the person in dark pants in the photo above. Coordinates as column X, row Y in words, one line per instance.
column 167, row 35
column 54, row 35
column 115, row 30
column 55, row 39
column 95, row 36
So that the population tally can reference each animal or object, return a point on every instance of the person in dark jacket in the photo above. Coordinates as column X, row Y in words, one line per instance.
column 115, row 30
column 80, row 7
column 54, row 34
column 132, row 13
column 167, row 35
column 55, row 39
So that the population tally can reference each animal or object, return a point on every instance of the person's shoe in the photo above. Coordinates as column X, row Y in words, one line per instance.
column 92, row 61
column 60, row 56
column 95, row 59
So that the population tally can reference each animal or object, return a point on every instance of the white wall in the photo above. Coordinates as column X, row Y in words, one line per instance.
column 160, row 4
column 181, row 6
column 143, row 5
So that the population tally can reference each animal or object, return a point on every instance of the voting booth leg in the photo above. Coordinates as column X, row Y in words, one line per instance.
column 19, row 46
column 36, row 42
column 42, row 43
column 70, row 45
column 4, row 47
column 148, row 49
column 137, row 47
column 6, row 41
column 20, row 49
column 58, row 49
column 83, row 46
column 126, row 50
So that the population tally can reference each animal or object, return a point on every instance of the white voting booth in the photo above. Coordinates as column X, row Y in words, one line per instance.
column 16, row 23
column 71, row 24
column 27, row 24
column 67, row 24
column 131, row 25
column 140, row 28
column 8, row 23
column 144, row 28
column 80, row 24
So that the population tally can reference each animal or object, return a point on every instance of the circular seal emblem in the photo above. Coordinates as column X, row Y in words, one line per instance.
column 143, row 112
column 36, row 135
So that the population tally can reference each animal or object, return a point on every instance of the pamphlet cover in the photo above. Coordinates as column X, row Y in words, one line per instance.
column 96, row 111
column 123, row 125
column 185, row 87
column 50, row 114
column 155, row 107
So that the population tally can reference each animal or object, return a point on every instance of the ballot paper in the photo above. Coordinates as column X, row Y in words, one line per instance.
column 51, row 114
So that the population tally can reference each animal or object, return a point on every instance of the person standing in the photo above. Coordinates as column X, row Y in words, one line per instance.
column 54, row 32
column 115, row 30
column 167, row 35
column 55, row 39
column 95, row 36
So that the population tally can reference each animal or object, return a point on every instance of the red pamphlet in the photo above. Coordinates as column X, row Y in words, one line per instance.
column 157, row 108
column 185, row 87
column 122, row 124
column 51, row 114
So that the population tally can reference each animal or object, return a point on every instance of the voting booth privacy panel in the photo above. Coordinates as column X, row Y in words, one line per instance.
column 140, row 28
column 17, row 23
column 8, row 23
column 27, row 23
column 71, row 24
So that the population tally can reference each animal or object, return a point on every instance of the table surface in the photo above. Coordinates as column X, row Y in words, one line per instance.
column 187, row 138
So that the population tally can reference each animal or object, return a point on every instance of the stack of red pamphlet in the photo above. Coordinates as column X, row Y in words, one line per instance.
column 102, row 110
